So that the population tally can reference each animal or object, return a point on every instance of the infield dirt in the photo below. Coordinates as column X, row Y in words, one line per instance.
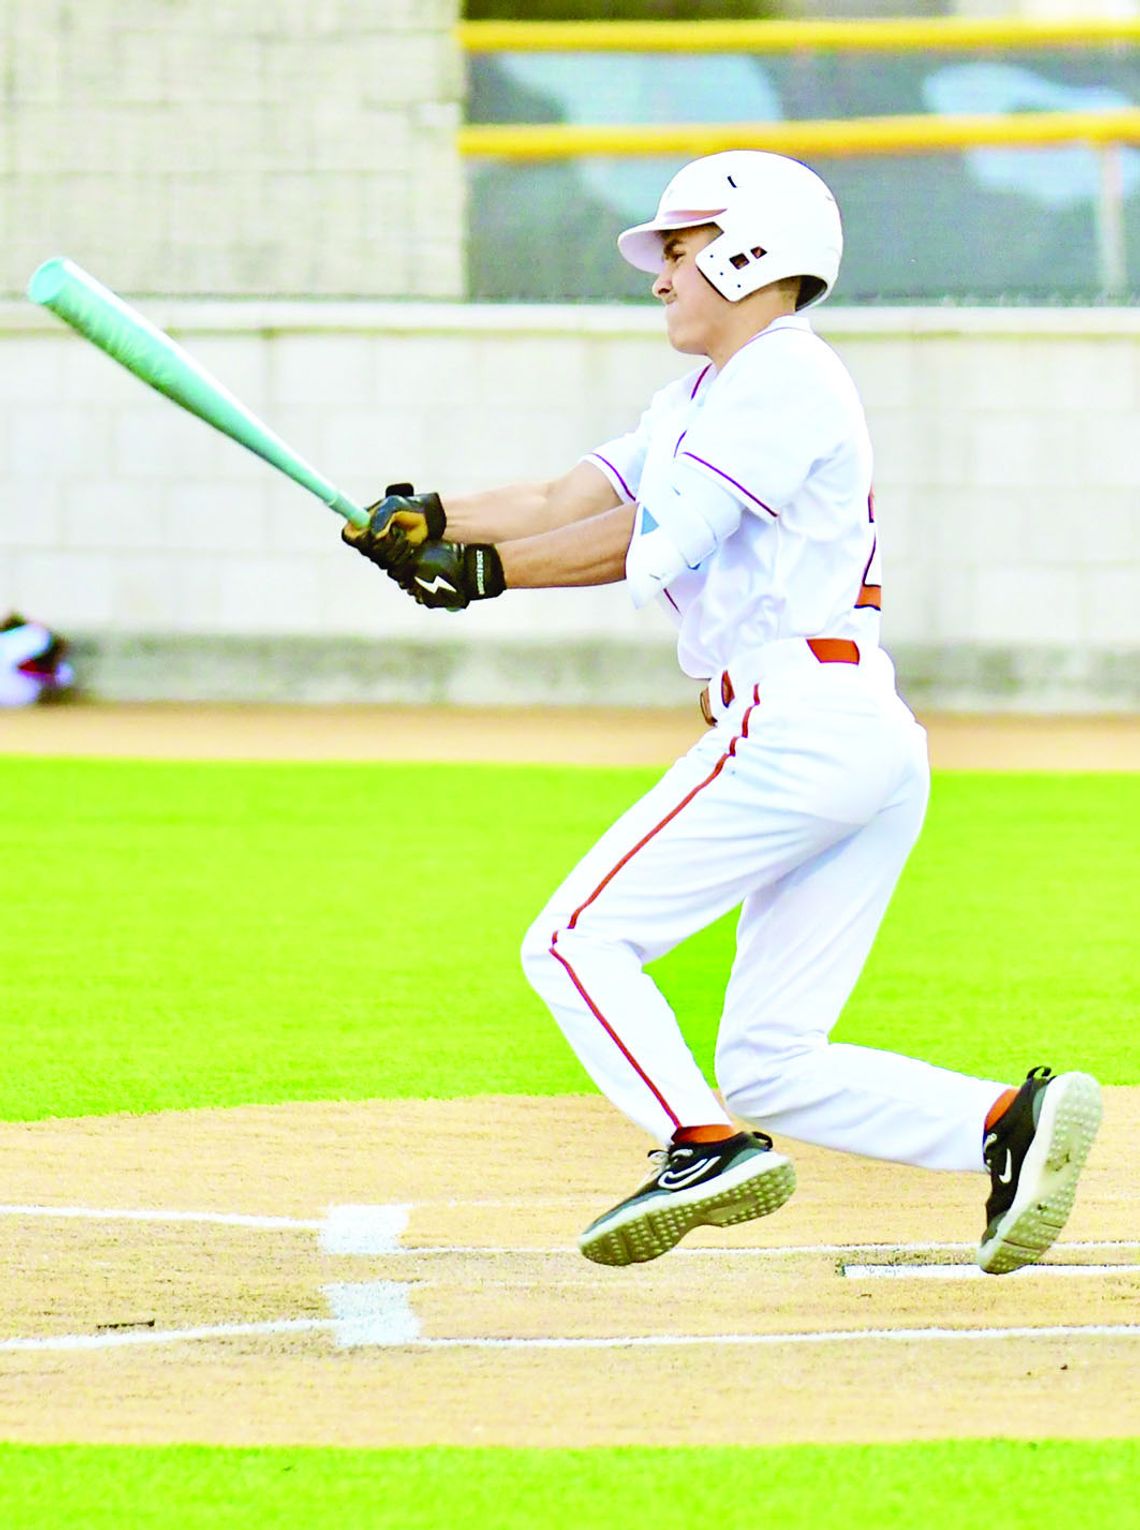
column 497, row 1190
column 555, row 735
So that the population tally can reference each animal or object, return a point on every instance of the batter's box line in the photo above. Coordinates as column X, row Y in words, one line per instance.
column 380, row 1229
column 390, row 1332
column 154, row 1214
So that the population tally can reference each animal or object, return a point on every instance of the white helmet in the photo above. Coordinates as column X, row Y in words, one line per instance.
column 777, row 216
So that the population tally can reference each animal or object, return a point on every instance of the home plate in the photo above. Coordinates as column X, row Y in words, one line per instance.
column 972, row 1272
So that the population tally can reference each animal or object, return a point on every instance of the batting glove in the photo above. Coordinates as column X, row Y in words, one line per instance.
column 449, row 575
column 401, row 514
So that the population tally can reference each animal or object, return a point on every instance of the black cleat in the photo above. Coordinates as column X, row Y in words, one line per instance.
column 1035, row 1153
column 714, row 1183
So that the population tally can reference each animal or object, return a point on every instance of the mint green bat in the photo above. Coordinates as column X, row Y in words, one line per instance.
column 113, row 325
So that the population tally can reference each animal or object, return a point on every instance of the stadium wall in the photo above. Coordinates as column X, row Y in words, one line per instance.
column 1007, row 485
column 300, row 147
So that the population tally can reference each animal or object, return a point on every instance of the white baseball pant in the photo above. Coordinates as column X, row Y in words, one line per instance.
column 801, row 807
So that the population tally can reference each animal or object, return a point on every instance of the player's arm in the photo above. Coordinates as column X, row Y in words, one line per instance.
column 691, row 516
column 582, row 553
column 506, row 514
column 451, row 575
column 528, row 509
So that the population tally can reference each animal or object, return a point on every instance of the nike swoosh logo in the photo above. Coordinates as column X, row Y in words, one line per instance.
column 677, row 1179
column 1005, row 1177
column 438, row 583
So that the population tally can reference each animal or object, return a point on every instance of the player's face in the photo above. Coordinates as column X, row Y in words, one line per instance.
column 693, row 306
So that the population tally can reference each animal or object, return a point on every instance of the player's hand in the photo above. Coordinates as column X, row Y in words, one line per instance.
column 401, row 514
column 449, row 575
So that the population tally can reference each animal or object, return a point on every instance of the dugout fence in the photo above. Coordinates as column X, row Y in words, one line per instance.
column 1017, row 180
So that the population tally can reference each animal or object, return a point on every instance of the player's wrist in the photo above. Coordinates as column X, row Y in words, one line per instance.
column 484, row 576
column 449, row 575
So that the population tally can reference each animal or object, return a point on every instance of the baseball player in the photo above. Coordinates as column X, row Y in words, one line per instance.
column 742, row 503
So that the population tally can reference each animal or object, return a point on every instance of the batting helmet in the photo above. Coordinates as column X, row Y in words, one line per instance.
column 777, row 219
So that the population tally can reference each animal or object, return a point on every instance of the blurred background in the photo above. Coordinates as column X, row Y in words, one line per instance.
column 389, row 228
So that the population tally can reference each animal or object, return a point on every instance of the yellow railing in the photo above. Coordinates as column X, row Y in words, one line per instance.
column 1106, row 131
column 844, row 137
column 903, row 35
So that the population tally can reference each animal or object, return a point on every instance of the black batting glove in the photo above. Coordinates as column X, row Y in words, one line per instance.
column 402, row 513
column 449, row 575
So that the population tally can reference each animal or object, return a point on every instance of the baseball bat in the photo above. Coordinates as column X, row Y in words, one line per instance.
column 135, row 343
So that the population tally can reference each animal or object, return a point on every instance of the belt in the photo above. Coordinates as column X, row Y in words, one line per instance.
column 826, row 650
column 834, row 650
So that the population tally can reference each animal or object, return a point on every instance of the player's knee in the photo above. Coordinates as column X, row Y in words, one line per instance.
column 733, row 1086
column 742, row 1073
column 753, row 1076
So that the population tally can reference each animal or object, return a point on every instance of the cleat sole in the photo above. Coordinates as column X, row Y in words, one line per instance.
column 1032, row 1224
column 634, row 1237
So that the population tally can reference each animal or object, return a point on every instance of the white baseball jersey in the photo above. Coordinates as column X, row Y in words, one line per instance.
column 799, row 806
column 781, row 429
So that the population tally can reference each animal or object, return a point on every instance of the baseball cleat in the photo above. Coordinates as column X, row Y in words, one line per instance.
column 694, row 1184
column 1035, row 1152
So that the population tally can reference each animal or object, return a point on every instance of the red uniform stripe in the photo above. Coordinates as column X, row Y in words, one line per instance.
column 604, row 883
column 614, row 1037
column 669, row 817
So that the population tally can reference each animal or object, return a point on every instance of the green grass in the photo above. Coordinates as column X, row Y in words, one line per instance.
column 209, row 934
column 944, row 1485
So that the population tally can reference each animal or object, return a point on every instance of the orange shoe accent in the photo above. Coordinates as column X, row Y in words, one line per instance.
column 1000, row 1106
column 685, row 1134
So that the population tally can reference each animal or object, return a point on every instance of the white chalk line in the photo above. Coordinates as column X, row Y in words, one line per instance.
column 393, row 1331
column 839, row 1336
column 378, row 1229
column 411, row 1250
column 374, row 1313
column 132, row 1337
column 364, row 1229
column 378, row 1314
column 972, row 1272
column 114, row 1214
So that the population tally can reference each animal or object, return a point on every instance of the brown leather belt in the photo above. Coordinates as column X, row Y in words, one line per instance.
column 826, row 650
column 834, row 650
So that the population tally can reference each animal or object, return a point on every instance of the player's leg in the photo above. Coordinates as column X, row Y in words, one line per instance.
column 640, row 891
column 687, row 852
column 802, row 943
column 729, row 817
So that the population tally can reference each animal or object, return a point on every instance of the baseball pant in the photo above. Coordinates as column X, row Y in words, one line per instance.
column 799, row 807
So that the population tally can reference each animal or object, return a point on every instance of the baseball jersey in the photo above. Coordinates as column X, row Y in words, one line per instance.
column 781, row 429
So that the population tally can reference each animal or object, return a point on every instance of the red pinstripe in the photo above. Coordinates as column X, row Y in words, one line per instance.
column 614, row 1037
column 728, row 754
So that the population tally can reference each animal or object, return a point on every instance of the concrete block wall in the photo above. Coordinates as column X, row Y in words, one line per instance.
column 301, row 147
column 1008, row 481
column 1008, row 493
